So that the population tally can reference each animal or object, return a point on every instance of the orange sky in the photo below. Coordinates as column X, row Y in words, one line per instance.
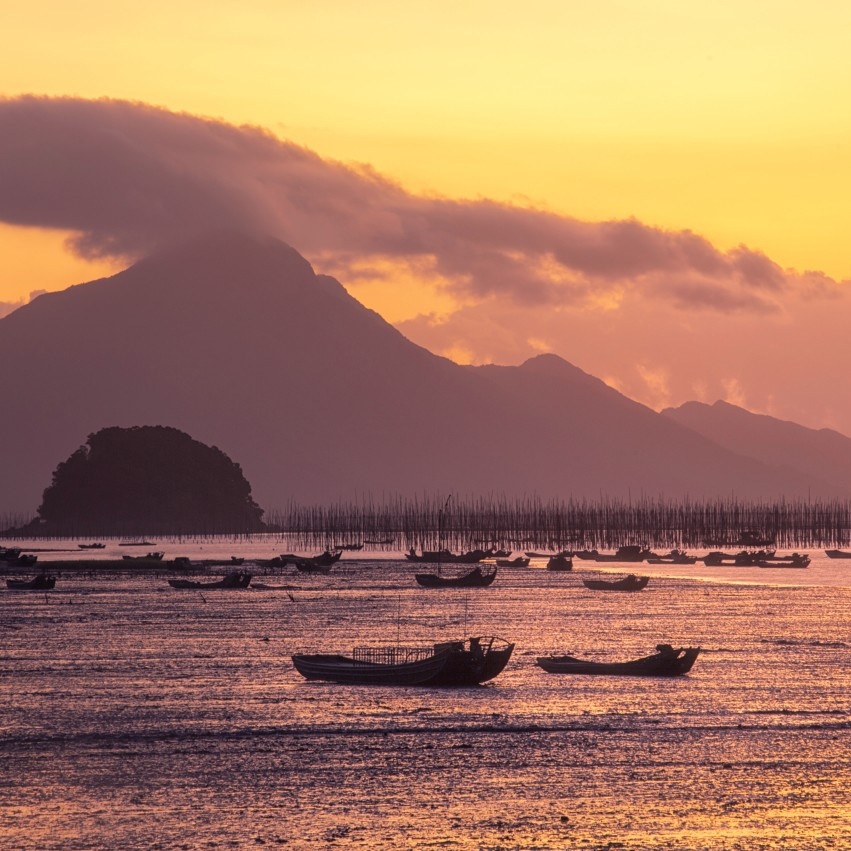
column 721, row 119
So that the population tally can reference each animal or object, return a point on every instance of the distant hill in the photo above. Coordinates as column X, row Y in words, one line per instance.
column 234, row 340
column 822, row 453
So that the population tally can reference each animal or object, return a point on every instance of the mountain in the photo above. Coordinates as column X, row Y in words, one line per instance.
column 234, row 340
column 822, row 453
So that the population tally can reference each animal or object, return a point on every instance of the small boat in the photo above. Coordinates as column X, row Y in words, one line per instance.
column 383, row 542
column 237, row 579
column 37, row 583
column 513, row 562
column 627, row 553
column 91, row 546
column 348, row 546
column 135, row 544
column 318, row 564
column 794, row 560
column 152, row 556
column 666, row 662
column 673, row 557
column 446, row 557
column 476, row 578
column 561, row 562
column 837, row 554
column 628, row 583
column 448, row 663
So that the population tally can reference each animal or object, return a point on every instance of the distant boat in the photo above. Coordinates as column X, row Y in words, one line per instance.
column 794, row 560
column 449, row 663
column 237, row 579
column 447, row 557
column 152, row 556
column 37, row 583
column 348, row 546
column 628, row 553
column 560, row 562
column 666, row 662
column 837, row 554
column 673, row 557
column 381, row 542
column 628, row 583
column 476, row 578
column 91, row 546
column 520, row 561
column 135, row 544
column 318, row 564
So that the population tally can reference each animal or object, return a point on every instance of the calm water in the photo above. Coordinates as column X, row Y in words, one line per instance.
column 138, row 716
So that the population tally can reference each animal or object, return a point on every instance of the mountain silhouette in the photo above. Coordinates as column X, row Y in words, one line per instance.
column 822, row 453
column 234, row 340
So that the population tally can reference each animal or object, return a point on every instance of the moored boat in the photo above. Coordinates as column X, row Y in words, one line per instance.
column 37, row 583
column 628, row 583
column 673, row 557
column 475, row 578
column 91, row 546
column 237, row 579
column 560, row 562
column 837, row 553
column 449, row 663
column 152, row 556
column 520, row 561
column 447, row 557
column 666, row 662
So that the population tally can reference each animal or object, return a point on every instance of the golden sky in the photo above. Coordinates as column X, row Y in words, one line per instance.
column 726, row 119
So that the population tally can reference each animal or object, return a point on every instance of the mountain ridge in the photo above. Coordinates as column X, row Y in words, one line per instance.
column 234, row 340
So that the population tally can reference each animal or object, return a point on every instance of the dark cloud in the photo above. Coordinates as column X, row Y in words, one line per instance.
column 127, row 177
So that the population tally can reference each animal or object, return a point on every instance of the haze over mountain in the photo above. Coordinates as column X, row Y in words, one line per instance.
column 234, row 340
column 823, row 452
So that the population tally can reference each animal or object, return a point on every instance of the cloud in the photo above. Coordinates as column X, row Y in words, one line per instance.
column 128, row 177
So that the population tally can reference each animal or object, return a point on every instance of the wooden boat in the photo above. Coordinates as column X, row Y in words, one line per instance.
column 627, row 553
column 91, row 546
column 152, row 556
column 237, row 579
column 354, row 547
column 476, row 578
column 628, row 583
column 318, row 564
column 666, row 662
column 561, row 562
column 673, row 557
column 37, row 583
column 448, row 663
column 837, row 554
column 447, row 557
column 513, row 562
column 794, row 560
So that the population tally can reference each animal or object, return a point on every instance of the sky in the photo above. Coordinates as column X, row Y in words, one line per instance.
column 656, row 191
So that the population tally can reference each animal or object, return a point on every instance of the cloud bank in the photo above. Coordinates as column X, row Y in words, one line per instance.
column 128, row 177
column 663, row 315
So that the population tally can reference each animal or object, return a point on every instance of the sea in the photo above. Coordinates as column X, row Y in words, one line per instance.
column 137, row 716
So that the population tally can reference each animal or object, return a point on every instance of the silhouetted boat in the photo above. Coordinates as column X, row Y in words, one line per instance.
column 448, row 663
column 446, row 557
column 136, row 544
column 91, row 546
column 476, row 578
column 520, row 561
column 561, row 562
column 381, row 541
column 627, row 553
column 237, row 579
column 666, row 662
column 837, row 554
column 628, row 583
column 348, row 546
column 37, row 583
column 794, row 560
column 318, row 564
column 152, row 556
column 673, row 557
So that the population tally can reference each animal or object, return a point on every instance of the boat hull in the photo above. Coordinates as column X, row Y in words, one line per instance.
column 670, row 664
column 448, row 664
column 628, row 583
column 476, row 578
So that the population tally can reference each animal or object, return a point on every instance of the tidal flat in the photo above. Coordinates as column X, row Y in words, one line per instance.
column 140, row 716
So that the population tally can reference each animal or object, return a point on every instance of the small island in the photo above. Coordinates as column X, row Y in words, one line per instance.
column 146, row 480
